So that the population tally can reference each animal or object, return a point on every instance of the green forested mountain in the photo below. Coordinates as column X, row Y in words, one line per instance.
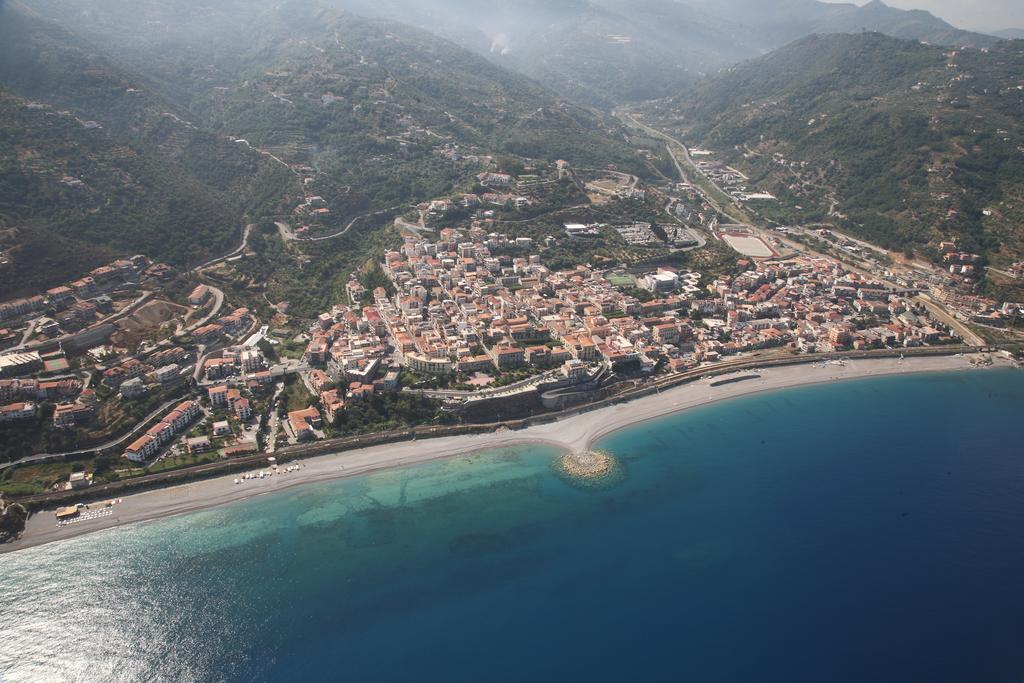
column 92, row 163
column 323, row 86
column 905, row 143
column 602, row 52
column 72, row 196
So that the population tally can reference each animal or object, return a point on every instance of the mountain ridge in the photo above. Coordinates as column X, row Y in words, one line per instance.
column 607, row 52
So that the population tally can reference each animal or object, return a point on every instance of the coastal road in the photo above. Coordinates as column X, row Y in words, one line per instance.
column 942, row 315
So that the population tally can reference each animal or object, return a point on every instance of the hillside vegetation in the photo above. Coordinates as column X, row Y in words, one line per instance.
column 328, row 87
column 93, row 164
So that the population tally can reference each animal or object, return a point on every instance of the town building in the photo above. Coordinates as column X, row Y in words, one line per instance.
column 13, row 412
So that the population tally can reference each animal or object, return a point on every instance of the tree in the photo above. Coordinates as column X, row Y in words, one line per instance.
column 12, row 522
column 103, row 464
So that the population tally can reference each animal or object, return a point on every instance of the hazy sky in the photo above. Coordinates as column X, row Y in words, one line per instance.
column 969, row 14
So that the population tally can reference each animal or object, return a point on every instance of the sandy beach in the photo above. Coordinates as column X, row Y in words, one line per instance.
column 577, row 432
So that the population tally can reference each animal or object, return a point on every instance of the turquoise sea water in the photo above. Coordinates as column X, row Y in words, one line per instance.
column 862, row 531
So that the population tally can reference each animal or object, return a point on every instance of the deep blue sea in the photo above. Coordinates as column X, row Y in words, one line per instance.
column 865, row 531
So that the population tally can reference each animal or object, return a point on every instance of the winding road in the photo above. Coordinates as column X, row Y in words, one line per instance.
column 238, row 251
column 66, row 338
column 289, row 235
column 139, row 428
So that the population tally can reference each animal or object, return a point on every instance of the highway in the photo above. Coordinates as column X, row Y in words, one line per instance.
column 671, row 144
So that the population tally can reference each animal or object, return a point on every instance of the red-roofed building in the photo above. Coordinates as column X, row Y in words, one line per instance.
column 71, row 414
column 333, row 405
column 199, row 295
column 318, row 379
column 243, row 410
column 218, row 396
column 17, row 411
column 302, row 422
column 358, row 391
column 142, row 449
column 207, row 333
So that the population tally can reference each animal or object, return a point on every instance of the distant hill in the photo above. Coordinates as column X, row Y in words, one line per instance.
column 1010, row 34
column 607, row 52
column 774, row 23
column 913, row 143
column 598, row 52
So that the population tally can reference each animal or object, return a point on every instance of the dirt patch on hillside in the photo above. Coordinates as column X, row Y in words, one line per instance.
column 147, row 321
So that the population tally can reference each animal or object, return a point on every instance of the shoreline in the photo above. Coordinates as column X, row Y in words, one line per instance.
column 577, row 432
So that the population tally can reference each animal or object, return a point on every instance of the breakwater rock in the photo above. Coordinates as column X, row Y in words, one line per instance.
column 590, row 469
